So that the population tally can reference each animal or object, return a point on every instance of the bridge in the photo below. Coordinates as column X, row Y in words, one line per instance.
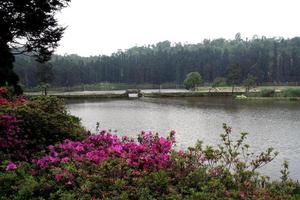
column 133, row 93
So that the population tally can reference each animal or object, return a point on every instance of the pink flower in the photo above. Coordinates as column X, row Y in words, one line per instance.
column 79, row 148
column 11, row 166
column 65, row 159
column 150, row 152
column 136, row 172
column 162, row 140
column 181, row 152
column 140, row 148
column 117, row 148
column 58, row 177
column 242, row 195
column 51, row 147
column 53, row 159
column 69, row 183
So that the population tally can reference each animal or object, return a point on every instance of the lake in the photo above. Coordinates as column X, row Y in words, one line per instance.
column 270, row 124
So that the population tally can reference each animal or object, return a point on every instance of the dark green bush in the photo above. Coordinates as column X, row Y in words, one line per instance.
column 291, row 92
column 267, row 92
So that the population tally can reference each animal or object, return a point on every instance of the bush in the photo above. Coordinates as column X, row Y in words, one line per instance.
column 30, row 127
column 291, row 92
column 105, row 166
column 267, row 93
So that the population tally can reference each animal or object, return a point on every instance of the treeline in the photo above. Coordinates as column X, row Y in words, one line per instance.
column 268, row 59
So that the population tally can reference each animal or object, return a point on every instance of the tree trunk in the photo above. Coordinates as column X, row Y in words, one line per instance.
column 8, row 76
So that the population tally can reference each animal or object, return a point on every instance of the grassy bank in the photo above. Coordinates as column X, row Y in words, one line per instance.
column 242, row 89
column 190, row 94
column 283, row 93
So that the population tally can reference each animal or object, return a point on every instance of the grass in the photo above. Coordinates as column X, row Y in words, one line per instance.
column 242, row 89
column 108, row 87
column 292, row 92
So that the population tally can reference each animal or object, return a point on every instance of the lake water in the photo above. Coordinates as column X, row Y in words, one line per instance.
column 272, row 124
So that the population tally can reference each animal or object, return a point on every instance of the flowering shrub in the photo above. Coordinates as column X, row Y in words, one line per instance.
column 151, row 153
column 10, row 101
column 29, row 127
column 105, row 166
column 11, row 143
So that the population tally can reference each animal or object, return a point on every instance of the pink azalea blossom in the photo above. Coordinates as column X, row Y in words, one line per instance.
column 151, row 152
column 58, row 177
column 65, row 159
column 136, row 172
column 11, row 166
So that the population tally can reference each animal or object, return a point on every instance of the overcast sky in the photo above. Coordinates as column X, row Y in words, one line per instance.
column 104, row 26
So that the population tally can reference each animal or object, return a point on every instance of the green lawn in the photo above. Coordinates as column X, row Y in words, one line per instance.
column 242, row 89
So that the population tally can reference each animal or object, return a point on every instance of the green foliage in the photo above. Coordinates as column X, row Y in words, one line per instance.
column 267, row 92
column 164, row 63
column 44, row 87
column 44, row 121
column 250, row 82
column 291, row 92
column 192, row 80
column 234, row 74
column 47, row 121
column 225, row 172
column 33, row 23
column 219, row 82
column 44, row 73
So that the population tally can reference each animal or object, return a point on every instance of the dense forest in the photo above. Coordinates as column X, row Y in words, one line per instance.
column 275, row 60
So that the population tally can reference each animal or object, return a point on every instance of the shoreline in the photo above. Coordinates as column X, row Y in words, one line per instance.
column 124, row 95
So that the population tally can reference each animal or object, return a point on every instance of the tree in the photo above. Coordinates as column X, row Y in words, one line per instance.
column 164, row 63
column 27, row 27
column 249, row 82
column 45, row 76
column 192, row 80
column 234, row 75
column 218, row 81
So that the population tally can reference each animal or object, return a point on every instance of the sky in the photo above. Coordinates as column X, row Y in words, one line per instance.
column 101, row 27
